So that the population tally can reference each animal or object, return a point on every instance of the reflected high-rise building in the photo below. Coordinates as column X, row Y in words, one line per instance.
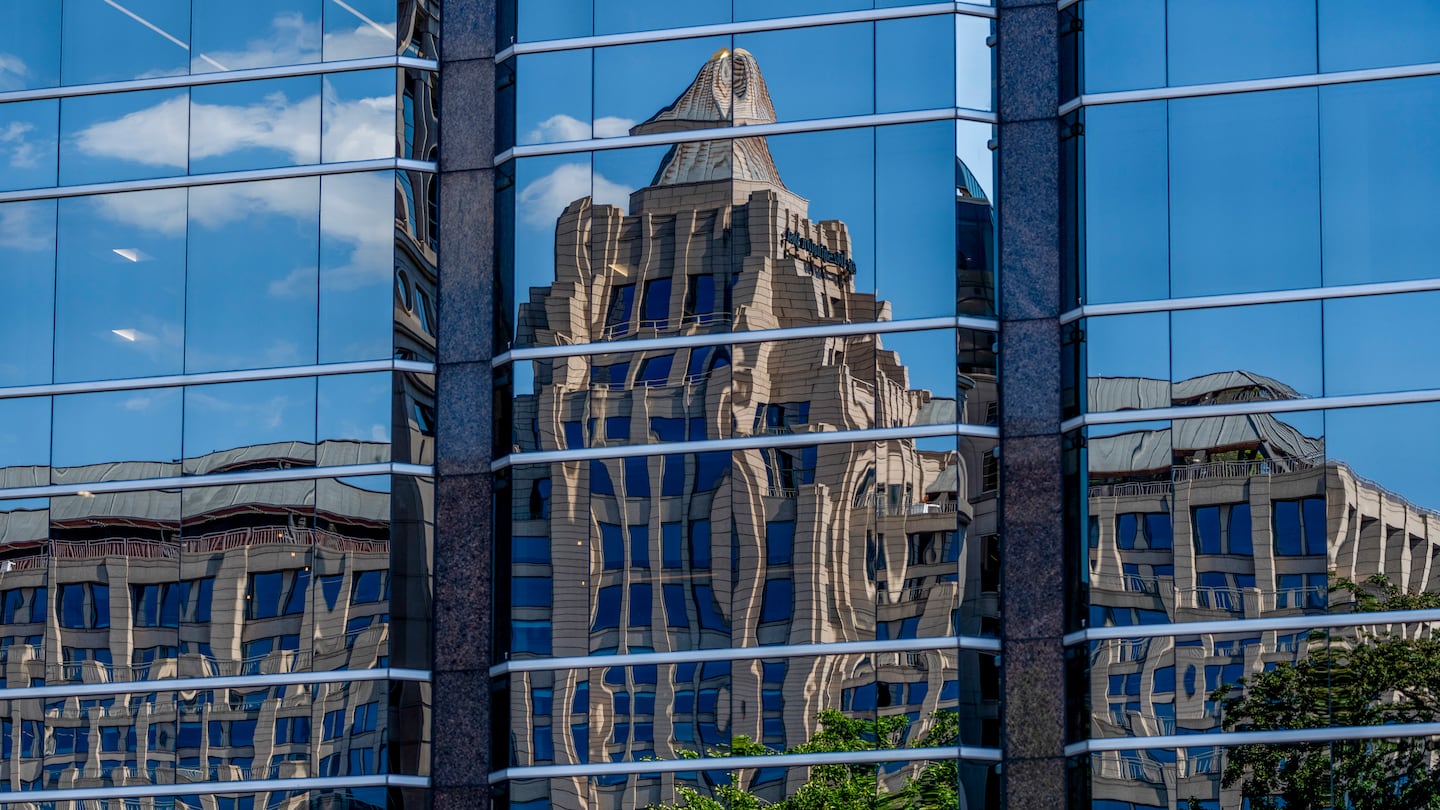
column 799, row 544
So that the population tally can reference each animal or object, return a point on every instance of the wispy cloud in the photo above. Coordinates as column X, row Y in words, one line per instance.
column 543, row 200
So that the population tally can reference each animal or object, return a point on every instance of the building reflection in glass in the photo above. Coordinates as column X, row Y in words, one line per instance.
column 796, row 543
column 1247, row 517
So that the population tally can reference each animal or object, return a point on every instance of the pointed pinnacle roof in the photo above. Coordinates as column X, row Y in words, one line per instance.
column 727, row 91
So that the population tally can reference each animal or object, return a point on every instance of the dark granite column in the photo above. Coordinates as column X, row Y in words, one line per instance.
column 460, row 736
column 1032, row 583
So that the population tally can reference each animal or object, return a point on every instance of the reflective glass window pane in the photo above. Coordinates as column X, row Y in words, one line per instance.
column 913, row 57
column 255, row 34
column 1378, row 163
column 357, row 269
column 1127, row 361
column 974, row 62
column 1229, row 40
column 27, row 291
column 352, row 604
column 1273, row 351
column 804, row 87
column 358, row 116
column 116, row 435
column 758, row 10
column 254, row 125
column 1127, row 226
column 1363, row 361
column 552, row 97
column 29, row 144
column 120, row 285
column 1124, row 45
column 1386, row 447
column 354, row 418
column 252, row 249
column 550, row 19
column 248, row 575
column 111, row 41
column 1396, row 33
column 619, row 16
column 356, row 29
column 124, row 136
column 638, row 84
column 268, row 424
column 1266, row 210
column 29, row 46
column 917, row 208
column 975, row 254
column 24, row 442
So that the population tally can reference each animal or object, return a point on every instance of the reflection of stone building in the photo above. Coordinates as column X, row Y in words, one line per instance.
column 792, row 544
column 256, row 579
column 1212, row 519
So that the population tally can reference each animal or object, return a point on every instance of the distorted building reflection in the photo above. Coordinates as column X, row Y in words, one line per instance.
column 1211, row 519
column 795, row 543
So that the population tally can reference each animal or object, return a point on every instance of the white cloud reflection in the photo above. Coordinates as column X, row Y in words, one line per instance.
column 543, row 200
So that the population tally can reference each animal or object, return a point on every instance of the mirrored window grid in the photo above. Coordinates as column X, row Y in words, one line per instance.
column 1140, row 44
column 168, row 281
column 535, row 20
column 237, row 126
column 933, row 62
column 69, row 42
column 280, row 424
column 867, row 224
column 1267, row 516
column 215, row 581
column 1256, row 192
column 351, row 728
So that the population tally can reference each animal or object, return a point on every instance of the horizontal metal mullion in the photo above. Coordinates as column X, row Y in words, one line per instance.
column 252, row 786
column 218, row 682
column 1251, row 86
column 1232, row 738
column 219, row 178
column 745, row 27
column 752, row 131
column 208, row 378
column 1251, row 299
column 741, row 763
column 216, row 479
column 1248, row 408
column 748, row 653
column 1237, row 626
column 220, row 77
column 747, row 443
column 757, row 336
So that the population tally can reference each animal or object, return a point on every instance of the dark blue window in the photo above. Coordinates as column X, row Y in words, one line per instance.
column 640, row 605
column 1314, row 515
column 531, row 592
column 600, row 483
column 700, row 298
column 699, row 544
column 530, row 637
column 617, row 427
column 1158, row 531
column 574, row 434
column 1125, row 530
column 654, row 370
column 1241, row 541
column 607, row 608
column 672, row 475
column 667, row 429
column 1207, row 530
column 675, row 613
column 612, row 546
column 637, row 477
column 531, row 550
column 640, row 546
column 779, row 542
column 705, row 609
column 710, row 469
column 778, row 601
column 544, row 743
column 657, row 300
column 671, row 545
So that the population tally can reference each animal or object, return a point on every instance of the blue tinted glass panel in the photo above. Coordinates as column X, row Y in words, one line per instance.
column 1229, row 40
column 27, row 291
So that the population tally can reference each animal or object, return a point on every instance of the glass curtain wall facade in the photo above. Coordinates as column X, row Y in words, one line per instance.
column 216, row 413
column 1250, row 403
column 746, row 413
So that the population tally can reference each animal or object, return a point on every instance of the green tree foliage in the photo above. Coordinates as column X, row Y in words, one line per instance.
column 1360, row 678
column 841, row 786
